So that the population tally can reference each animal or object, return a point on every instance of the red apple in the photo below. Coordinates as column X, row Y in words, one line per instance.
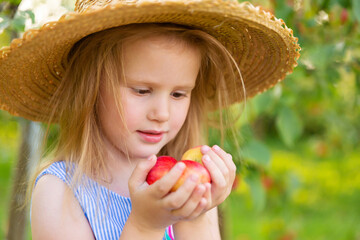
column 165, row 163
column 162, row 166
column 195, row 168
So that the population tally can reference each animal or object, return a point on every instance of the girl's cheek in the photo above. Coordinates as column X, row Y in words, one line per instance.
column 180, row 116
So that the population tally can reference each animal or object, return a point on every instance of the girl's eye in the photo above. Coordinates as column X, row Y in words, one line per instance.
column 141, row 91
column 178, row 95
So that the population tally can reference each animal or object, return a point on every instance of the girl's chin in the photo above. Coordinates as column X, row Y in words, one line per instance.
column 144, row 153
column 141, row 150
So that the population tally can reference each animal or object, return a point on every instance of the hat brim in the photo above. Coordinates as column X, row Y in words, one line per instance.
column 32, row 67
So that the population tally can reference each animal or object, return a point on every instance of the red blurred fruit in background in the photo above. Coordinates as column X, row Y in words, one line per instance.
column 344, row 16
column 236, row 182
column 267, row 182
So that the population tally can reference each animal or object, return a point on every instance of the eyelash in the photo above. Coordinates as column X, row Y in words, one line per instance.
column 142, row 92
column 181, row 95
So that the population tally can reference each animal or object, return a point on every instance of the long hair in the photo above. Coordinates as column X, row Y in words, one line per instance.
column 95, row 60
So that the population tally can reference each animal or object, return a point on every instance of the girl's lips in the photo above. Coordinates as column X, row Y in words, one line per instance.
column 151, row 136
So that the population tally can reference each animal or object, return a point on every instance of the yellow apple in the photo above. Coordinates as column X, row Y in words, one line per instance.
column 193, row 154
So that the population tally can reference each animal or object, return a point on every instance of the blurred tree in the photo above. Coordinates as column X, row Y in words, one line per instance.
column 12, row 24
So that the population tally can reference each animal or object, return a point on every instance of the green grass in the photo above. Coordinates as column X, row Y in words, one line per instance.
column 323, row 205
column 335, row 219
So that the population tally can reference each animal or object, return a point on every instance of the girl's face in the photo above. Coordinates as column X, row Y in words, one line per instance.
column 160, row 76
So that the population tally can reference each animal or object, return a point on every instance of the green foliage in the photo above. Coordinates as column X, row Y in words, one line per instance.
column 257, row 191
column 256, row 152
column 356, row 9
column 288, row 125
column 18, row 22
column 9, row 25
column 319, row 101
column 303, row 190
column 13, row 2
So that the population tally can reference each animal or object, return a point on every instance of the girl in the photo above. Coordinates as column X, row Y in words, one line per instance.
column 128, row 80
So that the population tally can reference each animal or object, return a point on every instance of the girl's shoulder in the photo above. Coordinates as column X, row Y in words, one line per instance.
column 60, row 169
column 55, row 211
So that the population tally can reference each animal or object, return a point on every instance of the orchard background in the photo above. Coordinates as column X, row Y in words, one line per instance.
column 299, row 159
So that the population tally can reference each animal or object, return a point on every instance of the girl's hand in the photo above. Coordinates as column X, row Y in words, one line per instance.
column 222, row 171
column 154, row 208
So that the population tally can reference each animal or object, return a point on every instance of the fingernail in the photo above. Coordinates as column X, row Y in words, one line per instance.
column 205, row 149
column 206, row 158
column 149, row 158
column 216, row 147
column 180, row 166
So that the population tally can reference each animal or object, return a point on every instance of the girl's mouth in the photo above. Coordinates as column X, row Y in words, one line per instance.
column 151, row 136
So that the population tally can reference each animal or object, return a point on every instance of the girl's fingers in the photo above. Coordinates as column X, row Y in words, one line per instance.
column 207, row 194
column 191, row 203
column 226, row 157
column 201, row 207
column 178, row 198
column 217, row 176
column 140, row 172
column 163, row 186
column 218, row 161
column 222, row 159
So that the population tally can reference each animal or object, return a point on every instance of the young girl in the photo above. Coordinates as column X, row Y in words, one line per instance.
column 129, row 80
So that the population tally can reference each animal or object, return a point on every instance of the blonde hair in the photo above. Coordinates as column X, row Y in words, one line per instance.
column 94, row 61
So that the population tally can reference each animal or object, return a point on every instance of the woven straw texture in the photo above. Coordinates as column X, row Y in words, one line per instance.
column 32, row 66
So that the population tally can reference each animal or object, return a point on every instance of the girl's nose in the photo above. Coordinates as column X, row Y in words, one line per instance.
column 159, row 110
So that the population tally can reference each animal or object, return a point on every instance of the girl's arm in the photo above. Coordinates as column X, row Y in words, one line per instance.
column 134, row 230
column 205, row 226
column 55, row 212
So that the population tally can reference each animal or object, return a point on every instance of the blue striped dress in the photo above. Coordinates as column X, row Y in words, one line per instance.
column 105, row 210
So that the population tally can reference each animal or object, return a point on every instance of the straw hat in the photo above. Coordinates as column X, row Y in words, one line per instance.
column 32, row 66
